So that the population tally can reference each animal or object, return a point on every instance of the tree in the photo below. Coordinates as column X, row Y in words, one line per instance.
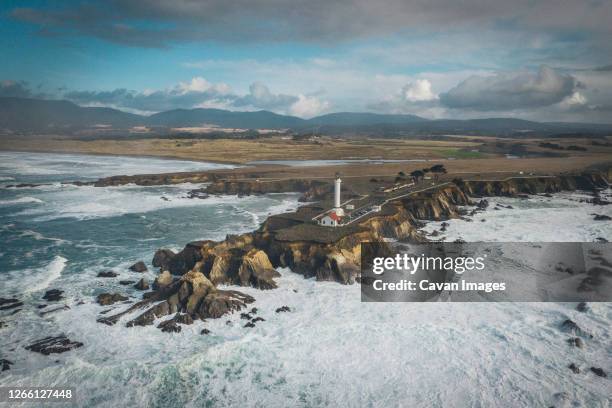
column 437, row 170
column 417, row 175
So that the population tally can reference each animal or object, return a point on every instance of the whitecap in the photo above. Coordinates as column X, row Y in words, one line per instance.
column 22, row 200
column 36, row 279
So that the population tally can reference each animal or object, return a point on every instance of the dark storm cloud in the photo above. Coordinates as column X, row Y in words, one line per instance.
column 511, row 90
column 158, row 23
column 18, row 89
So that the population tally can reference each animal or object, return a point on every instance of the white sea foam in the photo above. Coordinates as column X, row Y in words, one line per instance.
column 33, row 280
column 333, row 350
column 562, row 218
column 22, row 200
column 90, row 166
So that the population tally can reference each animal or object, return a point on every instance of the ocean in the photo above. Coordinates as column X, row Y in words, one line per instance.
column 330, row 350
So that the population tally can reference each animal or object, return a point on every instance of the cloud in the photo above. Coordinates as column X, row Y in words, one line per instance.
column 419, row 91
column 17, row 89
column 199, row 84
column 199, row 93
column 511, row 90
column 182, row 96
column 575, row 99
column 160, row 23
column 417, row 97
column 259, row 96
column 308, row 106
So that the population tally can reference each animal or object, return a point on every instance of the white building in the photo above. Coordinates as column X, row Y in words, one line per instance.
column 337, row 202
column 330, row 219
column 333, row 218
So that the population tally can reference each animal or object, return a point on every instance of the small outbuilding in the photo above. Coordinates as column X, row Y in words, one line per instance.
column 330, row 219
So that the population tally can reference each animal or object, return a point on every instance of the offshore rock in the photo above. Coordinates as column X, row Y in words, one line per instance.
column 106, row 299
column 5, row 364
column 599, row 372
column 53, row 295
column 8, row 304
column 142, row 284
column 107, row 274
column 138, row 267
column 193, row 296
column 51, row 345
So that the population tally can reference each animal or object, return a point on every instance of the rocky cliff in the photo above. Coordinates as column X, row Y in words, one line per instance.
column 189, row 278
column 334, row 254
column 250, row 259
column 534, row 185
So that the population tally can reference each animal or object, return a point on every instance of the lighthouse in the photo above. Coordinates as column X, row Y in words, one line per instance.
column 337, row 186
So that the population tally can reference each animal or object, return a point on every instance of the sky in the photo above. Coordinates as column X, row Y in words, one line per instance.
column 547, row 60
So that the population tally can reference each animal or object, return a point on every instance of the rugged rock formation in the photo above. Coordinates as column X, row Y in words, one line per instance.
column 571, row 327
column 599, row 372
column 312, row 190
column 188, row 279
column 139, row 267
column 582, row 307
column 313, row 251
column 107, row 274
column 53, row 295
column 51, row 345
column 126, row 282
column 106, row 299
column 142, row 284
column 575, row 342
column 8, row 304
column 153, row 179
column 5, row 364
column 334, row 253
column 193, row 294
column 534, row 185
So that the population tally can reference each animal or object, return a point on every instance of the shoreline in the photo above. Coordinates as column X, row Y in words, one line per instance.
column 136, row 156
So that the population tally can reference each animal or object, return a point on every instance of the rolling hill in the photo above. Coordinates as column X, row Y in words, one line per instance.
column 37, row 116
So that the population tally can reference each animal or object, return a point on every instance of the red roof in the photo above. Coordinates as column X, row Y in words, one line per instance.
column 334, row 216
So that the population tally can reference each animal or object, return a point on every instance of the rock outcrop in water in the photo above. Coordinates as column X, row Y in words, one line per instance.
column 54, row 345
column 193, row 294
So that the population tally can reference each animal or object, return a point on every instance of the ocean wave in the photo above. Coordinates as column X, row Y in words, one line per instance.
column 52, row 271
column 22, row 200
column 33, row 280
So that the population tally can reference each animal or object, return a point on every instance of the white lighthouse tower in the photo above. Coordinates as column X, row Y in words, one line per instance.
column 337, row 186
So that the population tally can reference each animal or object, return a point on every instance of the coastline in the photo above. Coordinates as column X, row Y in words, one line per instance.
column 314, row 306
column 127, row 155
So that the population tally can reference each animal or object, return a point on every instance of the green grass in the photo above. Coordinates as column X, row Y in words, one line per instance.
column 462, row 154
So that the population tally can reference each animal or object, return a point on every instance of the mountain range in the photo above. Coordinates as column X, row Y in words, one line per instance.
column 22, row 115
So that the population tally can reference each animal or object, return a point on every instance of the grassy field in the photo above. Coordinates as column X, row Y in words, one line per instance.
column 462, row 156
column 244, row 151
